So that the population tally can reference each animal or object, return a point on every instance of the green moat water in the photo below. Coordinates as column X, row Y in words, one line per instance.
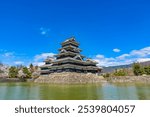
column 32, row 91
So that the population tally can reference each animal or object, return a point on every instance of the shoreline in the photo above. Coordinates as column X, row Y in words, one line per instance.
column 80, row 78
column 10, row 80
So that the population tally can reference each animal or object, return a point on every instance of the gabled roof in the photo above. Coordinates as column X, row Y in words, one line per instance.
column 68, row 53
column 70, row 47
column 70, row 41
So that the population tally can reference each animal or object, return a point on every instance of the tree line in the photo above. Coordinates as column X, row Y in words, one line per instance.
column 23, row 71
column 137, row 69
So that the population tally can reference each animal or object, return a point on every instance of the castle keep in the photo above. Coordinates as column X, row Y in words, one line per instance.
column 69, row 59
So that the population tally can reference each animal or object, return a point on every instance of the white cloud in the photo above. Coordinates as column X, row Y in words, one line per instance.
column 100, row 56
column 38, row 63
column 141, row 55
column 8, row 54
column 18, row 62
column 123, row 56
column 43, row 56
column 143, row 59
column 44, row 31
column 116, row 50
column 11, row 58
column 38, row 59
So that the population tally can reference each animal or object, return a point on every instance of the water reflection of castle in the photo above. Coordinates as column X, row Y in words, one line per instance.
column 69, row 59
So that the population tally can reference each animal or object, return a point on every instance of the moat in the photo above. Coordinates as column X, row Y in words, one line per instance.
column 105, row 91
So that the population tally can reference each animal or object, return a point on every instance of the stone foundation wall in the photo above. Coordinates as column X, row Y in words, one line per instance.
column 70, row 78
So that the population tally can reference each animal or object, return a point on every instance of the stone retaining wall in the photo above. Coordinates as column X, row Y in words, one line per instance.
column 141, row 79
column 70, row 78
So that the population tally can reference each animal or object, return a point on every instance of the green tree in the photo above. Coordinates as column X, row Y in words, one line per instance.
column 147, row 70
column 137, row 69
column 26, row 72
column 13, row 72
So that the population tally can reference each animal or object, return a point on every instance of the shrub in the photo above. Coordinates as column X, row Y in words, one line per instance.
column 106, row 75
column 120, row 72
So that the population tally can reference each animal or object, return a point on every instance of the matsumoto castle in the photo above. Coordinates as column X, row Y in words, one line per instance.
column 69, row 59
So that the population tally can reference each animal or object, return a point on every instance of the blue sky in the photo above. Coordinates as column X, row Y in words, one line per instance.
column 112, row 32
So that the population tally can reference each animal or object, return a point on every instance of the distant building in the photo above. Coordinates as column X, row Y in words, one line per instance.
column 69, row 59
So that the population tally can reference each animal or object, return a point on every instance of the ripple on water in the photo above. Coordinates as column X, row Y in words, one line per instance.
column 106, row 91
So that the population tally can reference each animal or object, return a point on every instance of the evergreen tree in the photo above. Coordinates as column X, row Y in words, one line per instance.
column 13, row 72
column 26, row 72
column 137, row 69
column 147, row 70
